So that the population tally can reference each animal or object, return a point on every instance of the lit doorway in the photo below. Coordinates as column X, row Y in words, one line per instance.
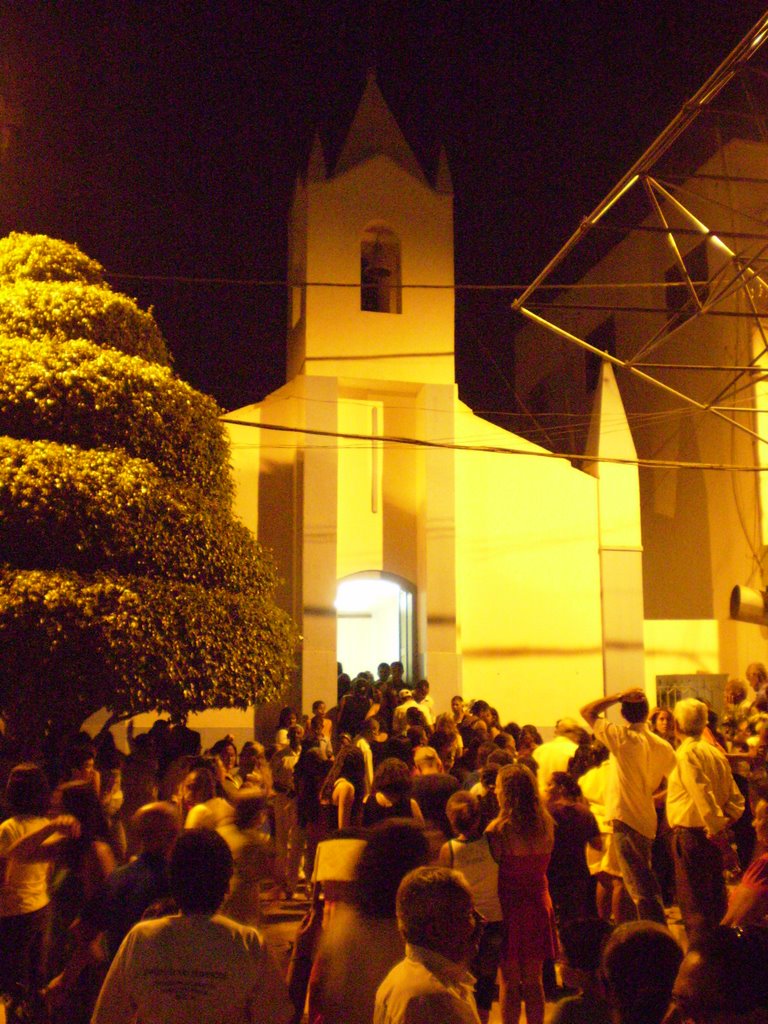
column 374, row 622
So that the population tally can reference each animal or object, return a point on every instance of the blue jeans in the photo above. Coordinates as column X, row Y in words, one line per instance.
column 633, row 851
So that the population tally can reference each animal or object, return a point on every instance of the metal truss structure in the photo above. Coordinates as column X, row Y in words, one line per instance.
column 654, row 198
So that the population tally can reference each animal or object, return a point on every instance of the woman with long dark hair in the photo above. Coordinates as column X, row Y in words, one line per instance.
column 76, row 845
column 343, row 791
column 81, row 863
column 391, row 795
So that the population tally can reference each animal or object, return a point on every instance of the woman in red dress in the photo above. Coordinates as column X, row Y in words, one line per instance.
column 521, row 839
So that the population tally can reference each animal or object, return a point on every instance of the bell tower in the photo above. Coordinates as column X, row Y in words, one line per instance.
column 371, row 258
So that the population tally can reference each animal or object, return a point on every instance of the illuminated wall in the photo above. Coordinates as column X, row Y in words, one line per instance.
column 502, row 549
column 528, row 580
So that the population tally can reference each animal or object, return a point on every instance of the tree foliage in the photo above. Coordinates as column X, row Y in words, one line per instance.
column 125, row 580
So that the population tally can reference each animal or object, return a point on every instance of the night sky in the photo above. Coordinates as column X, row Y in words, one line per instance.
column 164, row 138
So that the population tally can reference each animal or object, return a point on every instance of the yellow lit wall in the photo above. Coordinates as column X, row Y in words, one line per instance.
column 528, row 580
column 501, row 551
column 360, row 495
column 681, row 647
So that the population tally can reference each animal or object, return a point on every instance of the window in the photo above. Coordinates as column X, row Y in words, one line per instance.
column 380, row 270
column 604, row 338
column 678, row 299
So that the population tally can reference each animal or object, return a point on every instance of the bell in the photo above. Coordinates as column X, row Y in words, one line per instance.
column 377, row 268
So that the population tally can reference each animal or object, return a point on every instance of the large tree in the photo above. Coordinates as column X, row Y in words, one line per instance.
column 125, row 580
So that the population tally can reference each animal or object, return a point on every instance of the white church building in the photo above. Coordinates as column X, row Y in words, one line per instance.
column 403, row 525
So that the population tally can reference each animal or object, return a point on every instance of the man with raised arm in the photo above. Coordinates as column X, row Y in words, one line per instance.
column 639, row 763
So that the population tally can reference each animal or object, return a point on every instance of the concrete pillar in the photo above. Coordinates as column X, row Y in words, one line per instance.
column 620, row 537
column 437, row 611
column 318, row 538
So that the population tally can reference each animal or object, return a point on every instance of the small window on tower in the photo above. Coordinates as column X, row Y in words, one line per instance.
column 380, row 290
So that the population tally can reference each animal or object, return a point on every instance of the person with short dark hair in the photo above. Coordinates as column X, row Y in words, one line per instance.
column 639, row 765
column 197, row 966
column 432, row 787
column 426, row 704
column 397, row 675
column 432, row 985
column 640, row 962
column 723, row 978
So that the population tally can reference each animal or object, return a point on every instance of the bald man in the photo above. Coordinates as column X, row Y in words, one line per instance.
column 555, row 755
column 125, row 896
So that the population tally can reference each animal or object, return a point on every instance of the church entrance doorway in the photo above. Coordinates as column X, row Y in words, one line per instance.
column 374, row 622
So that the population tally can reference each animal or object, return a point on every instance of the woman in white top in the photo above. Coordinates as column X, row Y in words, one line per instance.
column 201, row 806
column 470, row 853
column 24, row 897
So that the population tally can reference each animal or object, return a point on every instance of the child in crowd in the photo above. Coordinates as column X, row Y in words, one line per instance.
column 471, row 854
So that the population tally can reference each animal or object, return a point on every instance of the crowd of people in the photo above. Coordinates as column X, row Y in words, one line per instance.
column 449, row 859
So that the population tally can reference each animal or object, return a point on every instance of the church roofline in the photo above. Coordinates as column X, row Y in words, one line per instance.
column 374, row 131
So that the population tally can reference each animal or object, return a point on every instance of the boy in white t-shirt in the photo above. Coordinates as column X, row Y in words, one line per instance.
column 196, row 967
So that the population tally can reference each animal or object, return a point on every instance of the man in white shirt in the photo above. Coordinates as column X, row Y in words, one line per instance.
column 195, row 967
column 702, row 801
column 406, row 701
column 289, row 837
column 555, row 755
column 432, row 985
column 639, row 764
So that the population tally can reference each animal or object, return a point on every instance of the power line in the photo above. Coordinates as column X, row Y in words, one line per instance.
column 273, row 282
column 415, row 442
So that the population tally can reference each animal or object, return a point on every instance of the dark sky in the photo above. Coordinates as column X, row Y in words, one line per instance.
column 164, row 139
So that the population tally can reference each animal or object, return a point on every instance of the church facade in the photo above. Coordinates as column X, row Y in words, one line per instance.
column 404, row 526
